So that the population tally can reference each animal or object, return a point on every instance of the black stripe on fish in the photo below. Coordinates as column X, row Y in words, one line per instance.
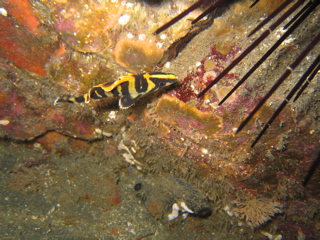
column 130, row 88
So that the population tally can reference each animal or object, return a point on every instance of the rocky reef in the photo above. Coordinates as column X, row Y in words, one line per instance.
column 172, row 165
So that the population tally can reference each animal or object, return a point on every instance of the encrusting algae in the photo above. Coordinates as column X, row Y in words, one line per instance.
column 137, row 55
column 189, row 120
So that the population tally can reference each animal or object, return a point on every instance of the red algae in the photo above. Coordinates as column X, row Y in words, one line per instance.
column 24, row 113
column 199, row 78
column 49, row 140
column 23, row 48
column 22, row 11
column 84, row 127
column 116, row 198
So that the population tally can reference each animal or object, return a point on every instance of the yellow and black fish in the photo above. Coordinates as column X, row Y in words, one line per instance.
column 129, row 88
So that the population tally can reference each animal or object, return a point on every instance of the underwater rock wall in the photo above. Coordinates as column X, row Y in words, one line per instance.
column 66, row 47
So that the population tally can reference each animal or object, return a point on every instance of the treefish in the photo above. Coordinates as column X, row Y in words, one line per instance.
column 129, row 88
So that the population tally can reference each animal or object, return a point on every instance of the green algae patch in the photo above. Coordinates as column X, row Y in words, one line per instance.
column 187, row 119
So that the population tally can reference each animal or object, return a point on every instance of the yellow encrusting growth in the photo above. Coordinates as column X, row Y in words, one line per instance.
column 187, row 119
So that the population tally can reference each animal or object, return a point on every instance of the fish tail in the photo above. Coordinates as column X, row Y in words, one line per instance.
column 81, row 99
